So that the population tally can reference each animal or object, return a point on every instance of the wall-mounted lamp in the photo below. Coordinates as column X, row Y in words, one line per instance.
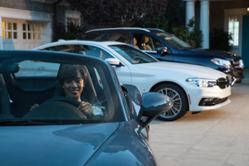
column 247, row 9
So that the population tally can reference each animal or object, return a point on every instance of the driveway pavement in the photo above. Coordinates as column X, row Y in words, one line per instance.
column 211, row 138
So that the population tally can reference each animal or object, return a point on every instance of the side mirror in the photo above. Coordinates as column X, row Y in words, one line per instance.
column 154, row 104
column 9, row 67
column 162, row 50
column 113, row 62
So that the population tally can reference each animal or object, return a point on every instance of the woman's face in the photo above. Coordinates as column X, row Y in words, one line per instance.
column 74, row 87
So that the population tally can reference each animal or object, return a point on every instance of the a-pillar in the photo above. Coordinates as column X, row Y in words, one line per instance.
column 204, row 22
column 1, row 34
column 190, row 10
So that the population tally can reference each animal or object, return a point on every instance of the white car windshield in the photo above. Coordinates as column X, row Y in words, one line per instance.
column 132, row 55
column 173, row 41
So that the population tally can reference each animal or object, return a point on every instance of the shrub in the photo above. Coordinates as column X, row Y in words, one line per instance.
column 189, row 34
column 181, row 32
column 71, row 32
column 220, row 40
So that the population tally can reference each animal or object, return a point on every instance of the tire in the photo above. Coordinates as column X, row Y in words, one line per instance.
column 180, row 103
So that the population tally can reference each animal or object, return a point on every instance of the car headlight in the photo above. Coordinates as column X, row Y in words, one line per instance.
column 201, row 82
column 221, row 62
column 241, row 63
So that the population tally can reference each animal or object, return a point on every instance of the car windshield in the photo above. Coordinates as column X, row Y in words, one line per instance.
column 173, row 41
column 132, row 55
column 49, row 92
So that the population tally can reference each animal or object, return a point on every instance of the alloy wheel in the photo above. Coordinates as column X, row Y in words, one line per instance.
column 177, row 102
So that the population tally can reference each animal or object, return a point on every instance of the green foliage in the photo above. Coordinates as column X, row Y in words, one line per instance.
column 181, row 32
column 72, row 31
column 194, row 34
column 189, row 34
column 118, row 13
column 158, row 22
column 220, row 40
column 175, row 14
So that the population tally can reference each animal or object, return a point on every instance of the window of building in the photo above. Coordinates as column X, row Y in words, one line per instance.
column 9, row 30
column 233, row 28
column 32, row 31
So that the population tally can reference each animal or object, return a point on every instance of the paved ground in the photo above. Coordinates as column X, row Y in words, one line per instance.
column 211, row 138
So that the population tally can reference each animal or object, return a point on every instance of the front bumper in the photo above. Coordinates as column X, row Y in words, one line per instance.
column 212, row 101
column 218, row 96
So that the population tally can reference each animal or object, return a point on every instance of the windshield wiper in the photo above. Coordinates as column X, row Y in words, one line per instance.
column 24, row 122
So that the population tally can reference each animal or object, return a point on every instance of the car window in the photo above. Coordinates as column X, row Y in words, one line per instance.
column 121, row 37
column 51, row 100
column 132, row 54
column 44, row 68
column 173, row 41
column 94, row 37
column 94, row 51
column 37, row 69
column 146, row 42
column 62, row 48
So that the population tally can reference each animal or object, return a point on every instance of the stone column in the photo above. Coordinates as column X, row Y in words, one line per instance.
column 204, row 22
column 1, row 34
column 190, row 10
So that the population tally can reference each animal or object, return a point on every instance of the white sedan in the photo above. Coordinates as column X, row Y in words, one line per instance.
column 191, row 87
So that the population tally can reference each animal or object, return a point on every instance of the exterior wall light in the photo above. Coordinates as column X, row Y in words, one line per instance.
column 247, row 9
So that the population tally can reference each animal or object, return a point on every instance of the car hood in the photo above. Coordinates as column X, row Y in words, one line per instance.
column 179, row 69
column 52, row 145
column 213, row 53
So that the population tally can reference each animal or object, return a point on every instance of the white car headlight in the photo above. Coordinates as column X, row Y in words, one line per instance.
column 201, row 82
column 221, row 62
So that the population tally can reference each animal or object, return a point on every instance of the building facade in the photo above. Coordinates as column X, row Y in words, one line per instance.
column 231, row 15
column 26, row 24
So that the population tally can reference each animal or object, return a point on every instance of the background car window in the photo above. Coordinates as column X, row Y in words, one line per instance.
column 146, row 42
column 94, row 36
column 143, row 42
column 61, row 48
column 94, row 51
column 121, row 37
column 173, row 41
column 157, row 43
column 132, row 54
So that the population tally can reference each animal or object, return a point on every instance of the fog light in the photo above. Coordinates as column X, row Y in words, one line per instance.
column 208, row 99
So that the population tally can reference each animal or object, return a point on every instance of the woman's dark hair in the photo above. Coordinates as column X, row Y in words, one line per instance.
column 68, row 71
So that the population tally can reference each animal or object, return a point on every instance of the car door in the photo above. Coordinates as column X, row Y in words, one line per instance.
column 123, row 71
column 150, row 44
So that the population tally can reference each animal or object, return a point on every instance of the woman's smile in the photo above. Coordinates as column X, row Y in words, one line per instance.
column 74, row 87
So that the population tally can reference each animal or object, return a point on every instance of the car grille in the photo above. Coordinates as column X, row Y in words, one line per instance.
column 223, row 82
column 211, row 101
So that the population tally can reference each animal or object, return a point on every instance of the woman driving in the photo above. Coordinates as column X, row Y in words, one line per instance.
column 72, row 78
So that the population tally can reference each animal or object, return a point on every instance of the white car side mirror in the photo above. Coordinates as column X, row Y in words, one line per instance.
column 113, row 62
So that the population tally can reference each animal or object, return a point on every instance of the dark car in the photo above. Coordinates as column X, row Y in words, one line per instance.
column 167, row 47
column 56, row 131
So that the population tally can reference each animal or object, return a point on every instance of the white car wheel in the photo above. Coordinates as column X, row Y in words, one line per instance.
column 178, row 97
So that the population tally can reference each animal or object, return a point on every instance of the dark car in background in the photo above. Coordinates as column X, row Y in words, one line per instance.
column 55, row 132
column 167, row 47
